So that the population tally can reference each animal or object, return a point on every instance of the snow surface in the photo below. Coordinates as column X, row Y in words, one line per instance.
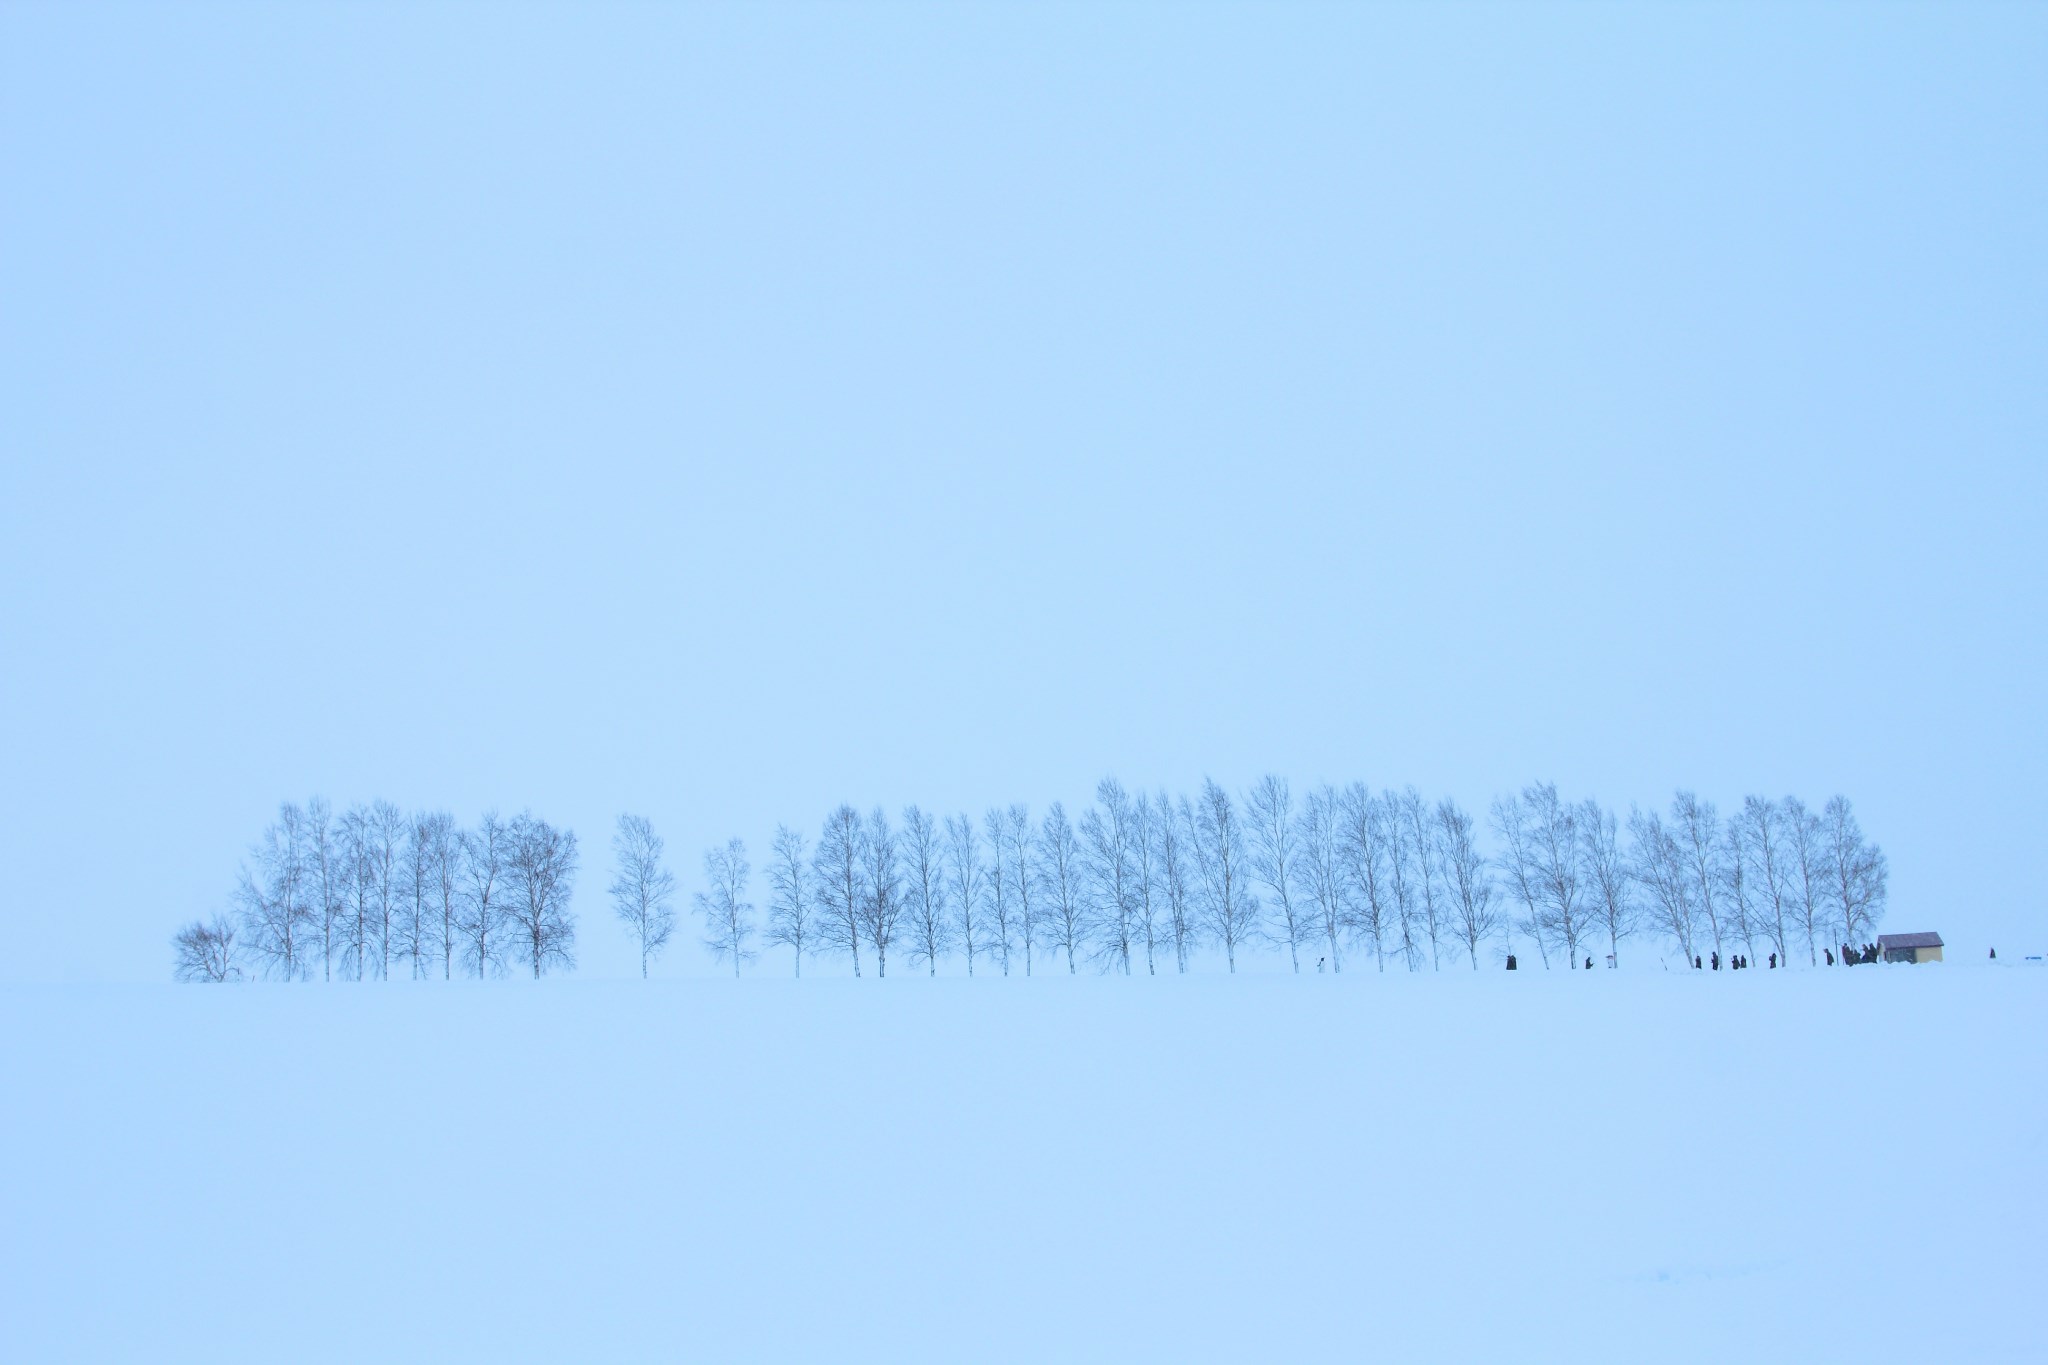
column 1620, row 1166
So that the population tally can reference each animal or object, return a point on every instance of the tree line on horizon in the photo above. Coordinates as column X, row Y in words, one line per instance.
column 1136, row 882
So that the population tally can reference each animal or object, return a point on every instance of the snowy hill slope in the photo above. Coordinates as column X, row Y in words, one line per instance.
column 1584, row 1166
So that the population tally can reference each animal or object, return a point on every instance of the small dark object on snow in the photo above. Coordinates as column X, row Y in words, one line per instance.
column 1994, row 954
column 1774, row 962
column 1319, row 964
column 1589, row 963
column 1695, row 961
column 1831, row 956
column 1511, row 961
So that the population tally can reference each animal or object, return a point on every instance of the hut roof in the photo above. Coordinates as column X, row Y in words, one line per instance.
column 1908, row 941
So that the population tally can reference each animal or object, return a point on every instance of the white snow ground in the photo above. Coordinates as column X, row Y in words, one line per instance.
column 1612, row 1166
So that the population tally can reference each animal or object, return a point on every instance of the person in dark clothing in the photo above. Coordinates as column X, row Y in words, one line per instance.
column 1831, row 956
column 1717, row 959
column 1774, row 962
column 1589, row 964
column 1695, row 961
column 1511, row 961
column 1994, row 954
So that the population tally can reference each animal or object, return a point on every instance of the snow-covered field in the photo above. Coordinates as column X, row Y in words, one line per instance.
column 1807, row 1165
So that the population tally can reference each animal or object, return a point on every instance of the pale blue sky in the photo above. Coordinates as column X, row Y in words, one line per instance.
column 720, row 413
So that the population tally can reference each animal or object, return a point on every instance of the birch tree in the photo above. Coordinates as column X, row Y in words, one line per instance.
column 1023, row 875
column 881, row 903
column 965, row 886
column 1696, row 826
column 1611, row 891
column 1274, row 862
column 1362, row 847
column 1231, row 910
column 727, row 913
column 1657, row 864
column 1151, row 903
column 1420, row 825
column 485, row 863
column 1322, row 868
column 931, row 924
column 1762, row 822
column 1808, row 873
column 1002, row 928
column 1177, row 876
column 1109, row 854
column 415, row 938
column 325, row 881
column 837, row 864
column 205, row 951
column 1518, row 865
column 1468, row 880
column 540, row 875
column 1554, row 829
column 278, row 919
column 1059, row 856
column 792, row 909
column 1857, row 872
column 643, row 889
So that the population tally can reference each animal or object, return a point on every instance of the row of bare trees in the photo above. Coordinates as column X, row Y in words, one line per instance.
column 1147, row 881
column 1144, row 881
column 375, row 891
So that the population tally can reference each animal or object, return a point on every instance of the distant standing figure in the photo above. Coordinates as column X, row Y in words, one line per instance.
column 1994, row 954
column 1774, row 962
column 1589, row 963
column 1717, row 959
column 1831, row 956
column 1695, row 961
column 1511, row 961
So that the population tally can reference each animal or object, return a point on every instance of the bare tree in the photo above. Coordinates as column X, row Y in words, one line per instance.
column 1467, row 878
column 359, row 885
column 278, row 918
column 206, row 951
column 1857, row 872
column 1738, row 896
column 965, row 886
column 1362, row 847
column 1110, row 857
column 387, row 845
column 1658, row 865
column 1177, row 826
column 1553, row 826
column 326, row 884
column 1060, row 855
column 931, row 924
column 1230, row 908
column 542, row 874
column 1001, row 912
column 881, row 886
column 1270, row 813
column 1762, row 823
column 792, row 909
column 484, row 867
column 1697, row 827
column 1808, row 873
column 1023, row 874
column 448, row 863
column 1611, row 889
column 1145, row 820
column 1318, row 831
column 728, row 915
column 1403, row 876
column 837, row 863
column 1517, row 862
column 1420, row 829
column 413, row 937
column 643, row 889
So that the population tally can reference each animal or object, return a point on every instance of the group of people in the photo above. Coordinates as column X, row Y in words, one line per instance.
column 1736, row 961
column 1852, row 956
